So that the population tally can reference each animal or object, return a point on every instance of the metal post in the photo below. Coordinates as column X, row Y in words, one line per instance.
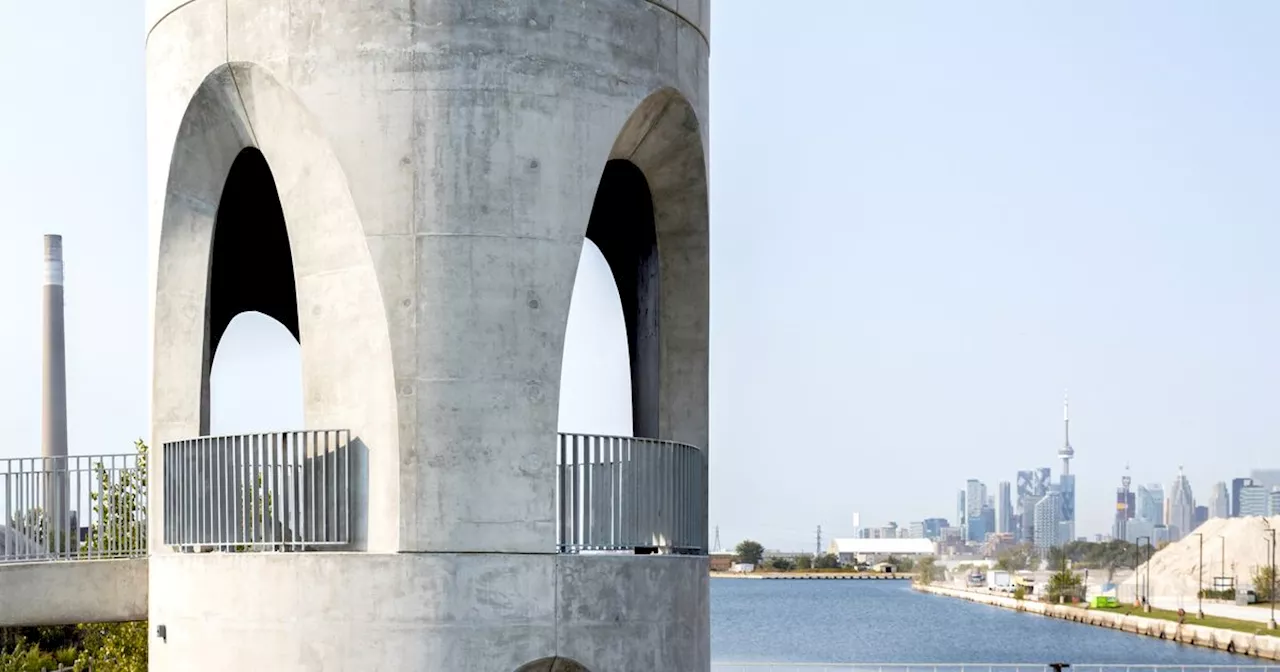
column 1200, row 580
column 1272, row 596
column 1143, row 588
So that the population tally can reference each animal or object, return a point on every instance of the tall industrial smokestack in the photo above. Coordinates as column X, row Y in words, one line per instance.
column 53, row 446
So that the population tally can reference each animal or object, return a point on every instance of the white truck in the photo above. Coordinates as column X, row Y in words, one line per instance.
column 1000, row 581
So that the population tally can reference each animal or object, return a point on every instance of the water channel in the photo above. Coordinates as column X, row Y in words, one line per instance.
column 887, row 622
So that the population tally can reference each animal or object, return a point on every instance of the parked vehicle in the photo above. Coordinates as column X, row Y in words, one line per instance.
column 977, row 580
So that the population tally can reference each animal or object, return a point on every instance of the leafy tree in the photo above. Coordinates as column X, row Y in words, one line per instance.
column 826, row 561
column 901, row 564
column 1015, row 559
column 804, row 562
column 1262, row 581
column 927, row 570
column 119, row 507
column 749, row 551
column 782, row 564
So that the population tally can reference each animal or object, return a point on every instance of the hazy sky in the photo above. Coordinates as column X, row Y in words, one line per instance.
column 928, row 221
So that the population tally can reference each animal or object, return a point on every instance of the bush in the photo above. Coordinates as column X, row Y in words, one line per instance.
column 1209, row 594
column 1019, row 593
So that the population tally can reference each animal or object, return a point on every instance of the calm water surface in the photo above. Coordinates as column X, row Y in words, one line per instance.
column 887, row 622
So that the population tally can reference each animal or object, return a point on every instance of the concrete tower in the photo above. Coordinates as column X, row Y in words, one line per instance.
column 1067, row 481
column 1066, row 452
column 407, row 187
column 53, row 435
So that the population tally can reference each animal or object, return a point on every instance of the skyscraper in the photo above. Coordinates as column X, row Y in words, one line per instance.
column 1124, row 507
column 1040, row 480
column 1151, row 504
column 975, row 498
column 1004, row 508
column 962, row 512
column 1254, row 501
column 1267, row 478
column 1048, row 523
column 1025, row 483
column 1238, row 484
column 1220, row 501
column 1182, row 506
column 1067, row 482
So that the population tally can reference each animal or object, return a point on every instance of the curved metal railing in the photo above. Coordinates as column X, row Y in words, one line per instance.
column 274, row 491
column 623, row 494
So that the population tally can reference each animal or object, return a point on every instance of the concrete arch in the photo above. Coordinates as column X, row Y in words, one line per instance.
column 346, row 352
column 650, row 220
column 553, row 664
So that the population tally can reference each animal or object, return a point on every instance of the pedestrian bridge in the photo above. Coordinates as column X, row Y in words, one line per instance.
column 73, row 542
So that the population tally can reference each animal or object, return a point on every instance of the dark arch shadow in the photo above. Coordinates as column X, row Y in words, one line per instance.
column 251, row 266
column 622, row 227
column 552, row 664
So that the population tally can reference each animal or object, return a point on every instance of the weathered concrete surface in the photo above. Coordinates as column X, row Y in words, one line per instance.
column 429, row 611
column 437, row 163
column 1261, row 646
column 64, row 593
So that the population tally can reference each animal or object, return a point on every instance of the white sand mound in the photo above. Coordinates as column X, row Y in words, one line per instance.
column 1175, row 569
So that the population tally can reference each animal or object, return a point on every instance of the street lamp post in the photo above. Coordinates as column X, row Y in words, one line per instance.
column 1144, row 587
column 1200, row 587
column 1223, row 569
column 1272, row 594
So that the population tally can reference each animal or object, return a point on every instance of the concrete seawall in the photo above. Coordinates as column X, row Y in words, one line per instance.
column 1231, row 641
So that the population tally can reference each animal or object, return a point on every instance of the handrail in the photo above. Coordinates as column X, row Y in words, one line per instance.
column 78, row 507
column 634, row 495
column 252, row 492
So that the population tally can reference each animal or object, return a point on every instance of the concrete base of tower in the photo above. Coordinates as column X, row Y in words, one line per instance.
column 428, row 612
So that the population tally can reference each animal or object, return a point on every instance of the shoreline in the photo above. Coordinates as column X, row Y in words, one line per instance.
column 1230, row 641
column 812, row 576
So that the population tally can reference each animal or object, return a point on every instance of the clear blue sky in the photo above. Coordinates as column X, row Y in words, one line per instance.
column 927, row 222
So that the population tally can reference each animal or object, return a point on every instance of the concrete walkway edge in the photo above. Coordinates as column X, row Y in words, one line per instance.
column 1231, row 641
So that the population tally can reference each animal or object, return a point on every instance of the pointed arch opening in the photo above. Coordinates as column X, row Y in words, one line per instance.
column 253, row 353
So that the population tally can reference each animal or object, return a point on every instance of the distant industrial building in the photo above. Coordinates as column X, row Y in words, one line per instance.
column 849, row 551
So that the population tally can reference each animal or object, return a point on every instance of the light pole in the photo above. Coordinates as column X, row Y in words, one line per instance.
column 1272, row 592
column 1142, row 588
column 1223, row 569
column 1200, row 587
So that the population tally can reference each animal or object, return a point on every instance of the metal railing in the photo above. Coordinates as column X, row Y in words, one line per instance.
column 974, row 667
column 81, row 507
column 286, row 491
column 617, row 493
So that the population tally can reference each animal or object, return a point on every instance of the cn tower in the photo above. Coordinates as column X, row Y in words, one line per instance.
column 1066, row 452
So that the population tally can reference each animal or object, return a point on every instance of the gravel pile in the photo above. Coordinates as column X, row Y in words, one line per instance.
column 1175, row 570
